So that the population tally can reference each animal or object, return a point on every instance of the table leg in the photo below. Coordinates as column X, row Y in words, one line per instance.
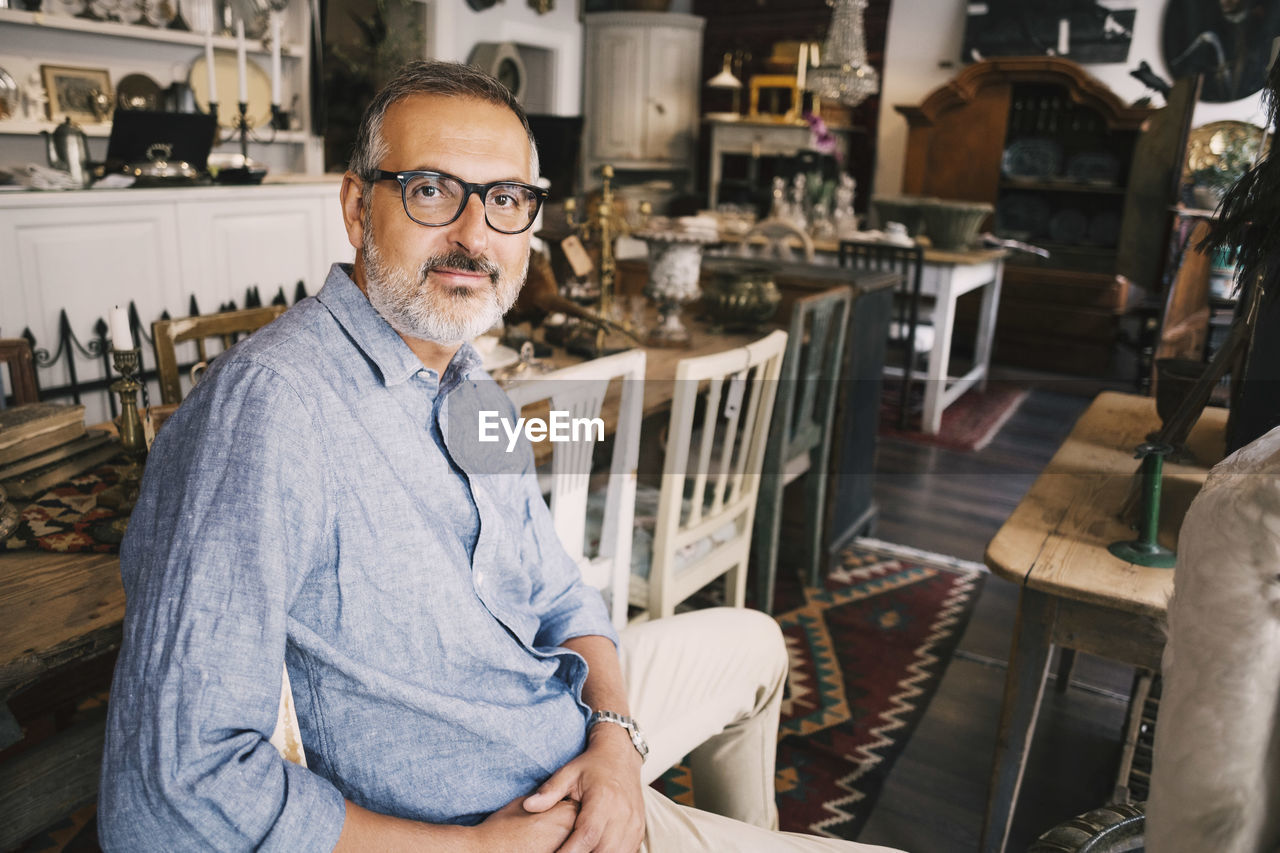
column 987, row 324
column 944, row 321
column 1023, row 690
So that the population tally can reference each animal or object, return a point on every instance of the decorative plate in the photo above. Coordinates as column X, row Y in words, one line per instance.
column 500, row 357
column 224, row 63
column 199, row 16
column 1068, row 226
column 1031, row 159
column 1094, row 167
column 1104, row 228
column 138, row 92
column 1022, row 215
column 67, row 8
column 10, row 96
column 158, row 13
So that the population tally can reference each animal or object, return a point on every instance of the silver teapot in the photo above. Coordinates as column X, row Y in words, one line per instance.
column 68, row 149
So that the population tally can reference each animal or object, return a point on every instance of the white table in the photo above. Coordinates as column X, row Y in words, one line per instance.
column 948, row 276
column 760, row 138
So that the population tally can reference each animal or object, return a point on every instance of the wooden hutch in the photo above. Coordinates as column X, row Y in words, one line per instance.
column 1053, row 149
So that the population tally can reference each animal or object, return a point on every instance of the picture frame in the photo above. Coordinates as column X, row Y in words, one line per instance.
column 81, row 94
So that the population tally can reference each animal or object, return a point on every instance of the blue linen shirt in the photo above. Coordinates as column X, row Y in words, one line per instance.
column 321, row 499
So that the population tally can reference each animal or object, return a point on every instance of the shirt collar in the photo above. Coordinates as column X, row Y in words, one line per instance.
column 375, row 337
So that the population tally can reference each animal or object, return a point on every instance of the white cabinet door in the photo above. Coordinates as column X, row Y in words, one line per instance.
column 640, row 87
column 616, row 60
column 228, row 247
column 671, row 114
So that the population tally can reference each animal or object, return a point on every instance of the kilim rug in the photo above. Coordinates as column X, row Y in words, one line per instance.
column 867, row 653
column 967, row 424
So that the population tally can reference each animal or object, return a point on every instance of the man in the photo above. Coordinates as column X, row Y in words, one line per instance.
column 321, row 499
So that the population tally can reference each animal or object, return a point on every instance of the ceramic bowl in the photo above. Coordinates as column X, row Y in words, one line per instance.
column 953, row 225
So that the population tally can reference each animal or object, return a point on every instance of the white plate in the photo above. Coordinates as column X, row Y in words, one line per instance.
column 499, row 358
column 224, row 63
column 68, row 8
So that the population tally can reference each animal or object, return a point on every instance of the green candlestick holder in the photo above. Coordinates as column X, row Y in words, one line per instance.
column 1145, row 550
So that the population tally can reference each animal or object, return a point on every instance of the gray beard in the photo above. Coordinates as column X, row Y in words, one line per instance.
column 441, row 316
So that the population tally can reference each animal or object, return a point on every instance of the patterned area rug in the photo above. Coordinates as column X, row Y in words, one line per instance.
column 84, row 513
column 867, row 654
column 968, row 424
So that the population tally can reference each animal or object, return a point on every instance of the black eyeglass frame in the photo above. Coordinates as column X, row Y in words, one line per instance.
column 468, row 189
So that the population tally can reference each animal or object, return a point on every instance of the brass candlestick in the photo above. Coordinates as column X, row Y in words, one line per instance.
column 605, row 228
column 125, row 493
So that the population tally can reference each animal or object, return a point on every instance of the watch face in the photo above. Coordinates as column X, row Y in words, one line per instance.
column 509, row 75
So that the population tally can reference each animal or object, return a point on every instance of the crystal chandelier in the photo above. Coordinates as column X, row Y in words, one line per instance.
column 843, row 73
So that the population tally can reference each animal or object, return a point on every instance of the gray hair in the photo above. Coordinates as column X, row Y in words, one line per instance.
column 429, row 77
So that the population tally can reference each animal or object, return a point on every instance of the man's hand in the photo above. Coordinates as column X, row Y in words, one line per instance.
column 605, row 780
column 512, row 827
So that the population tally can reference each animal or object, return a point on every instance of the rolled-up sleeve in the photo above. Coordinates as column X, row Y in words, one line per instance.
column 233, row 515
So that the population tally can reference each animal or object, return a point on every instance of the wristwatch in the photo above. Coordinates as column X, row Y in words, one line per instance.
column 633, row 729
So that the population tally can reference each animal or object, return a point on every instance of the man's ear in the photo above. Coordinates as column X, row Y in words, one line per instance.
column 353, row 201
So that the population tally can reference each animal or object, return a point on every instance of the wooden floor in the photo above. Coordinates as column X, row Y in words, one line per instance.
column 953, row 503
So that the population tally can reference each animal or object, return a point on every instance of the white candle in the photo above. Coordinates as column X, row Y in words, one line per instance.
column 208, row 65
column 240, row 69
column 121, row 333
column 275, row 58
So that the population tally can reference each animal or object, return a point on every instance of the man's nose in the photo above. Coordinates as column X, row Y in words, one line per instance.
column 470, row 231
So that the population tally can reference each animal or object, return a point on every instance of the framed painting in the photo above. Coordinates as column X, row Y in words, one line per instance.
column 81, row 94
column 1081, row 30
column 1228, row 41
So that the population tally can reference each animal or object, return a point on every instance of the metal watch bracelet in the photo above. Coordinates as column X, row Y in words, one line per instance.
column 633, row 729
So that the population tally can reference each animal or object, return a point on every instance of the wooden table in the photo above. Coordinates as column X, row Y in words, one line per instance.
column 1074, row 593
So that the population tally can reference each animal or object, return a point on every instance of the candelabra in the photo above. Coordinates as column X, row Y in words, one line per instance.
column 606, row 227
column 242, row 129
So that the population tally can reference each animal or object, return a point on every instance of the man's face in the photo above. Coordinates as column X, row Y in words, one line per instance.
column 445, row 283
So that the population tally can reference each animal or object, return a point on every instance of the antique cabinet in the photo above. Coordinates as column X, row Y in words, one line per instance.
column 640, row 94
column 84, row 251
column 1053, row 149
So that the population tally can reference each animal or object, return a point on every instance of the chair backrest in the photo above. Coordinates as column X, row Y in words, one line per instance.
column 908, row 262
column 726, row 399
column 16, row 353
column 226, row 326
column 807, row 392
column 580, row 390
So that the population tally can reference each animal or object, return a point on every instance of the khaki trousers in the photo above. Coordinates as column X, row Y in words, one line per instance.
column 709, row 684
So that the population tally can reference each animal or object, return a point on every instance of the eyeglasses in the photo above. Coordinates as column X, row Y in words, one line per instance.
column 434, row 199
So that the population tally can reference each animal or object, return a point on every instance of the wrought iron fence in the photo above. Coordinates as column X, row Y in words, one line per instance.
column 68, row 349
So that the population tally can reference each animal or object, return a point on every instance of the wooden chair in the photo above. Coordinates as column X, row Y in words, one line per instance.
column 800, row 435
column 16, row 353
column 706, row 506
column 913, row 334
column 581, row 390
column 227, row 326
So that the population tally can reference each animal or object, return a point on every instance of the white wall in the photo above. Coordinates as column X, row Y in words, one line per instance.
column 457, row 30
column 926, row 35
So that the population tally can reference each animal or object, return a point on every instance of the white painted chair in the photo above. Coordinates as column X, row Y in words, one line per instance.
column 287, row 737
column 580, row 390
column 708, row 498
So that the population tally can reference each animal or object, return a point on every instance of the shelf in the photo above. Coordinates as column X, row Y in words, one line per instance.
column 1061, row 187
column 141, row 32
column 102, row 130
